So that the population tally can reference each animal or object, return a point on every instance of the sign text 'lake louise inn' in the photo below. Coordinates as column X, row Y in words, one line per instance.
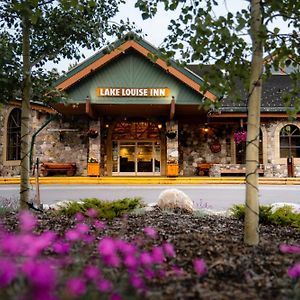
column 132, row 92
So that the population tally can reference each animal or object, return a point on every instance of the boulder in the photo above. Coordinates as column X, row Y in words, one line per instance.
column 174, row 198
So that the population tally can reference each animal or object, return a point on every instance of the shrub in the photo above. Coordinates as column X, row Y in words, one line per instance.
column 103, row 209
column 283, row 216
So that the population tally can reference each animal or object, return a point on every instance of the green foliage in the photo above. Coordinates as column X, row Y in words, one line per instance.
column 283, row 216
column 105, row 209
column 204, row 37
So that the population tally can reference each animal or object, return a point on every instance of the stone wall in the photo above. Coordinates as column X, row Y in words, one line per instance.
column 63, row 141
column 195, row 146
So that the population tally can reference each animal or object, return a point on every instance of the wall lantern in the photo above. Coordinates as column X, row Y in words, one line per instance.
column 159, row 126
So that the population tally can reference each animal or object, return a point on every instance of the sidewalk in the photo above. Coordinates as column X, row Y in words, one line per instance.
column 151, row 180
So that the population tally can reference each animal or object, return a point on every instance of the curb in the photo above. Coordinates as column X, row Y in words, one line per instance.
column 151, row 180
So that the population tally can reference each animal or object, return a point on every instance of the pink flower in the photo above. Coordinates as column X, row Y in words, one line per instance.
column 137, row 282
column 40, row 273
column 199, row 266
column 145, row 258
column 151, row 232
column 99, row 224
column 107, row 246
column 157, row 255
column 82, row 228
column 8, row 272
column 72, row 235
column 115, row 296
column 27, row 221
column 293, row 249
column 91, row 272
column 149, row 273
column 76, row 286
column 79, row 217
column 61, row 248
column 131, row 262
column 294, row 272
column 169, row 249
column 177, row 271
column 105, row 286
column 92, row 213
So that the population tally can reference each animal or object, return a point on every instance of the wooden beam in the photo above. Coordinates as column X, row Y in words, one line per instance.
column 89, row 109
column 172, row 108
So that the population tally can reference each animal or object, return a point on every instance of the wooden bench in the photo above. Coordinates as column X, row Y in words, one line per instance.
column 68, row 168
column 238, row 171
column 203, row 169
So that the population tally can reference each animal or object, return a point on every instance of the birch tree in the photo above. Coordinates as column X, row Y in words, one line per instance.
column 200, row 35
column 37, row 31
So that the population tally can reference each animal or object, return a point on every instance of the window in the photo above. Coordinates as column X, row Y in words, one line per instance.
column 14, row 135
column 290, row 141
column 241, row 151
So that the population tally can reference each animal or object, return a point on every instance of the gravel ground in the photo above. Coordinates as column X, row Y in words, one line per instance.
column 235, row 271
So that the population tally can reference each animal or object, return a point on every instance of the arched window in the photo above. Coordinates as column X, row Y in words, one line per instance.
column 13, row 144
column 290, row 141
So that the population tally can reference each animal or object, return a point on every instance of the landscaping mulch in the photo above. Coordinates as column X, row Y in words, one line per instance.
column 235, row 271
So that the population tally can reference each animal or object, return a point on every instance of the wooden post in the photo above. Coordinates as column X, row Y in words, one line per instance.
column 37, row 183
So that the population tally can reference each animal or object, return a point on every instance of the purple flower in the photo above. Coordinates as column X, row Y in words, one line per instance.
column 27, row 221
column 294, row 272
column 137, row 282
column 151, row 232
column 8, row 272
column 82, row 228
column 61, row 248
column 76, row 286
column 293, row 249
column 131, row 262
column 199, row 266
column 145, row 258
column 177, row 271
column 104, row 286
column 91, row 272
column 169, row 249
column 149, row 273
column 40, row 273
column 99, row 224
column 72, row 235
column 107, row 246
column 157, row 255
column 115, row 296
column 92, row 213
column 79, row 217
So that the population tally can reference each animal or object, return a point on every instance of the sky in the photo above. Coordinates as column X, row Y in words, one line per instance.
column 155, row 29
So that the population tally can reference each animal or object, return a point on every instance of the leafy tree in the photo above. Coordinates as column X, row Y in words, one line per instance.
column 36, row 31
column 202, row 36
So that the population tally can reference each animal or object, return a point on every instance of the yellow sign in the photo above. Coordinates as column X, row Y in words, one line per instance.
column 132, row 92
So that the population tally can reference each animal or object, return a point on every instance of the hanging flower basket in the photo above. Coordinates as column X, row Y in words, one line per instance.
column 171, row 134
column 240, row 136
column 92, row 133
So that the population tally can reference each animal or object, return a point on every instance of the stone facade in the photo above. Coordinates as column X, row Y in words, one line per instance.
column 67, row 140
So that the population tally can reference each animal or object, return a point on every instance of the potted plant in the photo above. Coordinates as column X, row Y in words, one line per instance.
column 93, row 168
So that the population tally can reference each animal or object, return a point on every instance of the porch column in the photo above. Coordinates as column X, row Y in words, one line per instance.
column 172, row 148
column 94, row 151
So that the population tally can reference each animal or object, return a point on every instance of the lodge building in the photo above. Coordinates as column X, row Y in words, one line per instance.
column 127, row 114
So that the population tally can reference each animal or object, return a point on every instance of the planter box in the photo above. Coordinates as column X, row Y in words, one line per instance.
column 93, row 169
column 172, row 170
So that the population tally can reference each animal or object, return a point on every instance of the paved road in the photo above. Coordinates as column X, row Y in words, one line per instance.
column 217, row 197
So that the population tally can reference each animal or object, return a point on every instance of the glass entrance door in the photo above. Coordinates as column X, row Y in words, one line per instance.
column 136, row 158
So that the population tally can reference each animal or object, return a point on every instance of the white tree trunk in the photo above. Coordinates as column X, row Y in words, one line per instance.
column 251, row 226
column 25, row 117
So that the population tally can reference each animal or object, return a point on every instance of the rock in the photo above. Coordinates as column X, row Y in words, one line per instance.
column 295, row 207
column 174, row 198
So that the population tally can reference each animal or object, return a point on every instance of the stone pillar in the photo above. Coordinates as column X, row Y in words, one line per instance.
column 94, row 144
column 172, row 148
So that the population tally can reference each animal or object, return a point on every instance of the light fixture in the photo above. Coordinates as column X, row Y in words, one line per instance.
column 205, row 128
column 159, row 126
column 106, row 125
